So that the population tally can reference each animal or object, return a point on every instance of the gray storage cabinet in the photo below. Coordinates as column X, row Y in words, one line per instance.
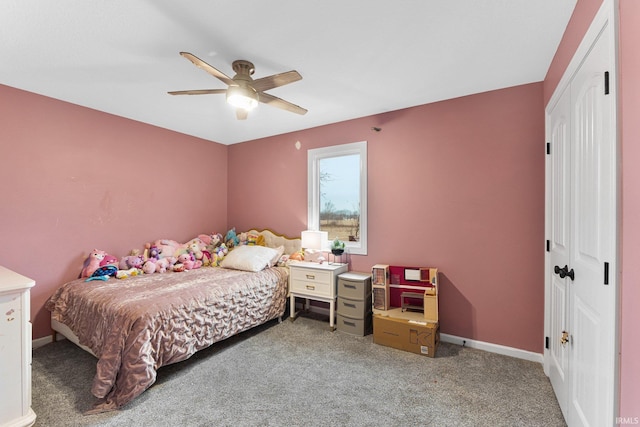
column 354, row 303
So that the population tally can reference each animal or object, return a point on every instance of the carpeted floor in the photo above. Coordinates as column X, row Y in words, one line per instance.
column 299, row 373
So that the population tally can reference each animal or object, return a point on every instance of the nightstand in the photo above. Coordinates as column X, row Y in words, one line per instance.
column 313, row 281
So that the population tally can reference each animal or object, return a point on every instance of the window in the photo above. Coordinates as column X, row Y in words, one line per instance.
column 338, row 193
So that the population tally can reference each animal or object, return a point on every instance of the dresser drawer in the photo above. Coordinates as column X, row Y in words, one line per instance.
column 360, row 327
column 353, row 307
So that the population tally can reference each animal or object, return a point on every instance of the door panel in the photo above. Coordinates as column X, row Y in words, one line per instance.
column 560, row 191
column 558, row 350
column 585, row 358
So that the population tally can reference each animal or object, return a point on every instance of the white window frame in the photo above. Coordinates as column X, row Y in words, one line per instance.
column 314, row 156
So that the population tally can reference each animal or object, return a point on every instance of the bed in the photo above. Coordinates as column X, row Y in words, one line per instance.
column 135, row 326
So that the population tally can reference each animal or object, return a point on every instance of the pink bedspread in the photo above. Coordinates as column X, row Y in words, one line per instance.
column 136, row 325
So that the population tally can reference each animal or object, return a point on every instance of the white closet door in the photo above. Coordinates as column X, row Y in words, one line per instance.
column 581, row 227
column 559, row 201
column 593, row 236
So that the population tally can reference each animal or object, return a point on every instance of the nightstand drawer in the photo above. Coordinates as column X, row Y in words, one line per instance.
column 311, row 287
column 309, row 275
column 354, row 308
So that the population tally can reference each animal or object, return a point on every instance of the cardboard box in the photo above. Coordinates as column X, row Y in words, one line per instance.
column 408, row 332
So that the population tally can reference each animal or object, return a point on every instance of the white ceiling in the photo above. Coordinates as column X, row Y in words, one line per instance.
column 356, row 57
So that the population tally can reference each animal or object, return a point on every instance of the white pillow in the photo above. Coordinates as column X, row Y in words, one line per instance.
column 250, row 258
column 279, row 251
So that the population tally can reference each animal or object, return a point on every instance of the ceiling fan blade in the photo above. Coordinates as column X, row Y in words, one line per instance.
column 276, row 80
column 208, row 68
column 197, row 92
column 241, row 114
column 280, row 103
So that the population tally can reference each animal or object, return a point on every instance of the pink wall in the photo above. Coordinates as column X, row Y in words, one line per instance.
column 581, row 18
column 630, row 125
column 73, row 179
column 457, row 184
column 629, row 250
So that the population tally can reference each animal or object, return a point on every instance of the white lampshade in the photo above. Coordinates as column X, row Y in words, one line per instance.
column 314, row 239
column 242, row 97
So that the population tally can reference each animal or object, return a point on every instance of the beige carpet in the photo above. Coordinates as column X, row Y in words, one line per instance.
column 298, row 373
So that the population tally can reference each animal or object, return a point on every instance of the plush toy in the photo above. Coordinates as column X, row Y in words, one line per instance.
column 109, row 260
column 161, row 265
column 189, row 262
column 219, row 253
column 103, row 273
column 151, row 251
column 195, row 249
column 216, row 240
column 297, row 256
column 231, row 239
column 196, row 241
column 255, row 239
column 124, row 274
column 164, row 264
column 214, row 243
column 154, row 252
column 199, row 253
column 243, row 238
column 149, row 266
column 206, row 238
column 92, row 263
column 131, row 261
column 206, row 258
column 168, row 248
column 177, row 267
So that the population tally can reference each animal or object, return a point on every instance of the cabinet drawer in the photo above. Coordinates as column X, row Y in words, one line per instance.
column 354, row 308
column 309, row 275
column 360, row 327
column 355, row 289
column 322, row 289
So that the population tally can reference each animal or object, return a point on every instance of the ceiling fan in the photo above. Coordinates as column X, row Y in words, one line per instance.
column 243, row 91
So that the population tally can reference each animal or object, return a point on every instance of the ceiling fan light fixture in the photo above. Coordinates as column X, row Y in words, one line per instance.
column 242, row 91
column 244, row 97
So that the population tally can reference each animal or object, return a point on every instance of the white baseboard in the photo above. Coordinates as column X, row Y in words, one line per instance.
column 493, row 348
column 466, row 342
column 39, row 342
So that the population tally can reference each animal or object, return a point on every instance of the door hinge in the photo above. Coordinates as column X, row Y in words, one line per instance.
column 606, row 273
column 548, row 246
column 548, row 148
column 606, row 83
column 546, row 343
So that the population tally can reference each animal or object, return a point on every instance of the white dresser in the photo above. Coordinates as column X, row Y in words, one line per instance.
column 15, row 350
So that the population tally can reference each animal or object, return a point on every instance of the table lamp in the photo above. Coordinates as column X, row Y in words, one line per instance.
column 313, row 242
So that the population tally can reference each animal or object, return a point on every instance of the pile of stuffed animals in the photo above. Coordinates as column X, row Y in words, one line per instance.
column 165, row 255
